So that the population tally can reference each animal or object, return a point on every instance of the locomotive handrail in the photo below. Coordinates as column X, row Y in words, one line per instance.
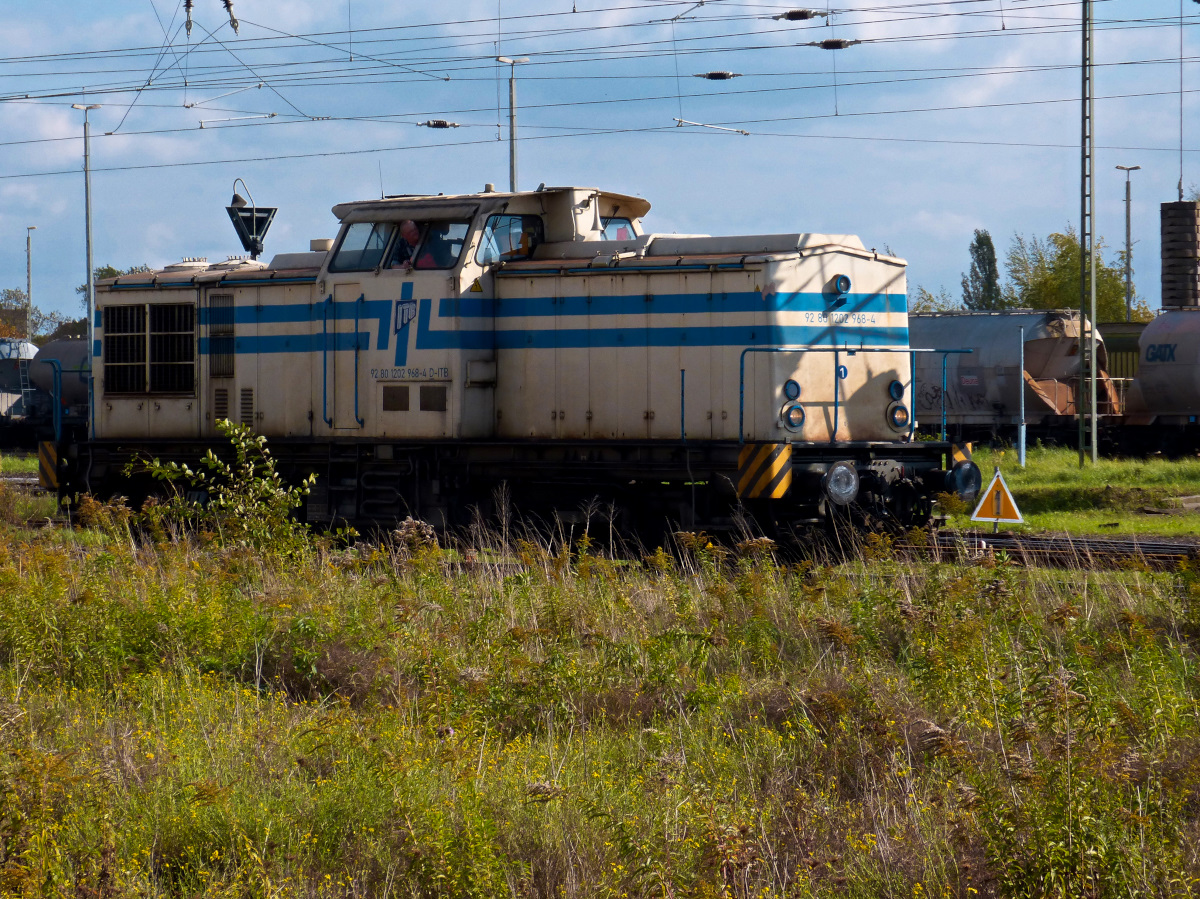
column 837, row 351
column 325, row 361
column 357, row 306
column 56, row 398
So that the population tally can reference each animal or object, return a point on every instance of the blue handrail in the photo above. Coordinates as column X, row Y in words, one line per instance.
column 56, row 398
column 944, row 358
column 837, row 392
column 837, row 351
column 357, row 307
column 682, row 406
column 325, row 362
column 912, row 380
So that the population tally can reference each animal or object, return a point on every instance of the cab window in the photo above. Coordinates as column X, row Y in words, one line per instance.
column 442, row 245
column 428, row 245
column 617, row 229
column 509, row 237
column 362, row 248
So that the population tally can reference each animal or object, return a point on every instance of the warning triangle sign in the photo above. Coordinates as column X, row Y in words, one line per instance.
column 997, row 503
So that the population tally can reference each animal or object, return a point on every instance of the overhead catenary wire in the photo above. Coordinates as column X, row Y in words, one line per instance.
column 655, row 98
column 351, row 76
column 162, row 86
column 592, row 133
column 458, row 43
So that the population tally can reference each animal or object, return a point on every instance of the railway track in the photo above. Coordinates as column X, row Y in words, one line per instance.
column 1063, row 550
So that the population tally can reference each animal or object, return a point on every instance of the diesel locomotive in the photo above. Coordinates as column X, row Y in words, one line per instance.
column 540, row 346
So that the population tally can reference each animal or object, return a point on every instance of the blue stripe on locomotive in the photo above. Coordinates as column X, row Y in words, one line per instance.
column 381, row 312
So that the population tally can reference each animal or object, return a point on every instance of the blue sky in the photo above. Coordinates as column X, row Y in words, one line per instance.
column 947, row 117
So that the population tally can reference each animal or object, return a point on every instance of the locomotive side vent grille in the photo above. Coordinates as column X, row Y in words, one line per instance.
column 220, row 335
column 124, row 349
column 247, row 416
column 150, row 348
column 172, row 348
column 220, row 404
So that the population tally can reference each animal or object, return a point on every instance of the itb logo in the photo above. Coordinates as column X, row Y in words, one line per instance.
column 406, row 311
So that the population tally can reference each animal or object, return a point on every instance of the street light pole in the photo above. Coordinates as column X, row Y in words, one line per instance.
column 1128, row 246
column 87, row 206
column 511, row 62
column 29, row 229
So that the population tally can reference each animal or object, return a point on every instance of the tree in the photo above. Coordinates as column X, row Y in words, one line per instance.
column 924, row 301
column 1046, row 274
column 12, row 312
column 12, row 317
column 981, row 286
column 107, row 271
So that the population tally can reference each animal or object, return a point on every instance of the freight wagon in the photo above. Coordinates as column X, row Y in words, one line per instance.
column 980, row 392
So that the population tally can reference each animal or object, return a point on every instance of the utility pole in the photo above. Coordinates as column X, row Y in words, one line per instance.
column 511, row 62
column 1085, row 396
column 1128, row 246
column 91, row 280
column 29, row 229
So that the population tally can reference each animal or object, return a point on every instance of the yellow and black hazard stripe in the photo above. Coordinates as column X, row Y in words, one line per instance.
column 960, row 452
column 764, row 470
column 48, row 465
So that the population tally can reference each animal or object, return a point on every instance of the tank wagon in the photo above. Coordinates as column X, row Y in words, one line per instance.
column 43, row 392
column 443, row 346
column 1163, row 403
column 980, row 391
column 1163, row 407
column 15, row 355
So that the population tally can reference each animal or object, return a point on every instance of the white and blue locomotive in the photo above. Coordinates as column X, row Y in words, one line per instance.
column 443, row 346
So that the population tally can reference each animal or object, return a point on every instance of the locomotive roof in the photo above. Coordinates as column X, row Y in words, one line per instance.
column 460, row 206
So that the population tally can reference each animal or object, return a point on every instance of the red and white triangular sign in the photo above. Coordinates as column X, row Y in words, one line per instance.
column 997, row 503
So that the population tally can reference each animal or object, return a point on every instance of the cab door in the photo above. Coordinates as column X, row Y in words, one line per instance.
column 342, row 359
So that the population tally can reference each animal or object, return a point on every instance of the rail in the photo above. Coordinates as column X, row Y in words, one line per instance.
column 837, row 351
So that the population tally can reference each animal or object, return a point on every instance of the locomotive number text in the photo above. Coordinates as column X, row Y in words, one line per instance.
column 839, row 318
column 411, row 374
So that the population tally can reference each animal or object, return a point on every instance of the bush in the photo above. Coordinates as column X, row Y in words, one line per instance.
column 245, row 503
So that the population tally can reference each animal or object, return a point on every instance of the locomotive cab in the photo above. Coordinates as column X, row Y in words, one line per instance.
column 413, row 265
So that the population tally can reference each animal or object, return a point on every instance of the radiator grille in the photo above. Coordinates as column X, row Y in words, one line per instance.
column 220, row 335
column 221, row 404
column 247, row 416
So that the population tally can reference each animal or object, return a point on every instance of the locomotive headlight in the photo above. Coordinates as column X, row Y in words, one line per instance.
column 965, row 480
column 793, row 416
column 841, row 483
column 897, row 416
column 841, row 284
column 791, row 389
column 896, row 390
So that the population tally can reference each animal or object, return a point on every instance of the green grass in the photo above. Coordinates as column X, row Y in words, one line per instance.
column 1055, row 494
column 186, row 718
column 18, row 463
column 237, row 708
